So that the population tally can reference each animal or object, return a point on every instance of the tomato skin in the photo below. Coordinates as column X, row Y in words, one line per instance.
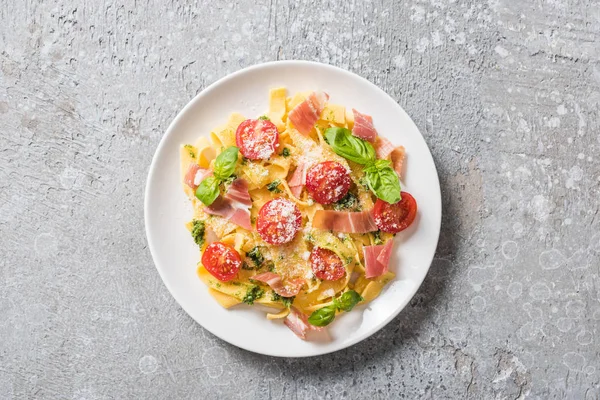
column 393, row 218
column 326, row 265
column 222, row 261
column 257, row 138
column 328, row 182
column 278, row 221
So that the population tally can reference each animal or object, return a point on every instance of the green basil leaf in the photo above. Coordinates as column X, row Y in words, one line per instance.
column 347, row 301
column 378, row 164
column 383, row 181
column 350, row 147
column 323, row 316
column 225, row 163
column 208, row 191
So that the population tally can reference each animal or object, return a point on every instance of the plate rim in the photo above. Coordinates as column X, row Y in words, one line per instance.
column 180, row 115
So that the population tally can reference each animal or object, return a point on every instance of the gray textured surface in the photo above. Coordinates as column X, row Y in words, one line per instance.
column 506, row 93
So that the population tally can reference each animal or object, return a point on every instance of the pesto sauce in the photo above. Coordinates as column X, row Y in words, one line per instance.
column 190, row 150
column 254, row 293
column 198, row 230
column 273, row 186
column 255, row 255
column 287, row 301
column 349, row 202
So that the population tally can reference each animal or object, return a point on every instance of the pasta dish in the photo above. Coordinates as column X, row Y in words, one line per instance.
column 296, row 209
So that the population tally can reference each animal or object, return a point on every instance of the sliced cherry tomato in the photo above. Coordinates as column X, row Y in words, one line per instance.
column 222, row 261
column 393, row 218
column 257, row 138
column 328, row 182
column 278, row 221
column 326, row 264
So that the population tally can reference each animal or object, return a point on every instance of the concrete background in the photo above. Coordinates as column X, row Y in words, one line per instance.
column 506, row 93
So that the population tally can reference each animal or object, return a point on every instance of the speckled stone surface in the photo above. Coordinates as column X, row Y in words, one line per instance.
column 506, row 93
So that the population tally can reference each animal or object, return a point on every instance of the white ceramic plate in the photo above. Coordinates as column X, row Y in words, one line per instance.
column 167, row 208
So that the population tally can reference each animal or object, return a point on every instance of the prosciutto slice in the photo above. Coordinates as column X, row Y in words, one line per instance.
column 398, row 155
column 344, row 221
column 386, row 252
column 195, row 175
column 296, row 190
column 383, row 147
column 363, row 126
column 305, row 115
column 238, row 193
column 298, row 323
column 298, row 179
column 288, row 289
column 210, row 236
column 377, row 259
column 234, row 205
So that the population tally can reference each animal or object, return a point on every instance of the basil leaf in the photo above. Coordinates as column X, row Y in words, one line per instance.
column 383, row 181
column 208, row 191
column 350, row 147
column 347, row 301
column 225, row 163
column 323, row 316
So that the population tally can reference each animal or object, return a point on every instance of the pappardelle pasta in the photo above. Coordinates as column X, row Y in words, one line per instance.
column 296, row 209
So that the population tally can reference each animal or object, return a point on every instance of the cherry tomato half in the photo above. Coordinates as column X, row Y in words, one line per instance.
column 278, row 221
column 222, row 261
column 326, row 264
column 257, row 138
column 328, row 182
column 393, row 218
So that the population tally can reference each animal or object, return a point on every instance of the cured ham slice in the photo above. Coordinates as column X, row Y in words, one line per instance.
column 383, row 147
column 195, row 175
column 363, row 126
column 344, row 221
column 298, row 323
column 298, row 179
column 288, row 289
column 234, row 205
column 372, row 267
column 377, row 259
column 398, row 155
column 305, row 115
column 238, row 192
column 227, row 209
column 296, row 190
column 210, row 236
column 386, row 252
